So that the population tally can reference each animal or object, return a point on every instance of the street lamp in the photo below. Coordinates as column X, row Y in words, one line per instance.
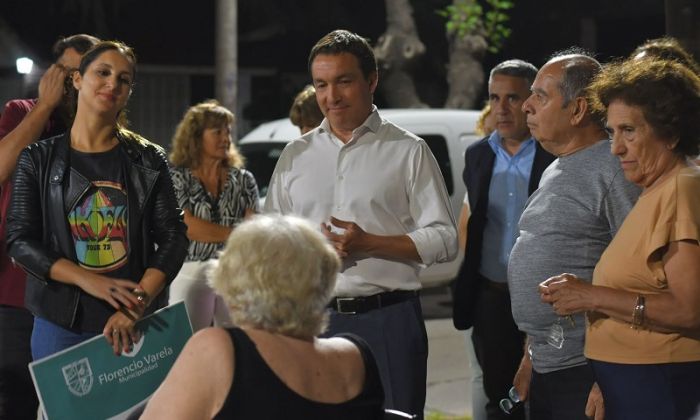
column 24, row 65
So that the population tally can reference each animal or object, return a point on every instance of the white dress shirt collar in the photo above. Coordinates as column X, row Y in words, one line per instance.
column 371, row 124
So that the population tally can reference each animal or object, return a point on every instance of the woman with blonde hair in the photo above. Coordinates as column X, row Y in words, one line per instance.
column 277, row 274
column 486, row 122
column 215, row 193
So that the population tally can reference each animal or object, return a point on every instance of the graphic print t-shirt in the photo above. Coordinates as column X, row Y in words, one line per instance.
column 98, row 222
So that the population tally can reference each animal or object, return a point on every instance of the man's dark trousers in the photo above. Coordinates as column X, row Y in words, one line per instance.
column 398, row 339
column 561, row 394
column 498, row 345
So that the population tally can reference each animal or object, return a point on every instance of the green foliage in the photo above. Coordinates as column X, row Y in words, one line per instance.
column 467, row 17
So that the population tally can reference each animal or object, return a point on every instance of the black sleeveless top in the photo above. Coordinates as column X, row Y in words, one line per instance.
column 257, row 392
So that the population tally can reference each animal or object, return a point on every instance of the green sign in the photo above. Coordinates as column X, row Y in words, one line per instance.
column 88, row 381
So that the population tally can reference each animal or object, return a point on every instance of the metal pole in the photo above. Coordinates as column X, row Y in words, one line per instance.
column 227, row 56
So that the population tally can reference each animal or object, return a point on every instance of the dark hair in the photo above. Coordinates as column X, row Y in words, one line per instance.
column 342, row 41
column 88, row 58
column 81, row 43
column 667, row 92
column 103, row 46
column 305, row 111
column 515, row 68
column 666, row 48
column 579, row 68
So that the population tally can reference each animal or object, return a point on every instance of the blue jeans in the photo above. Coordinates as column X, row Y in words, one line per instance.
column 669, row 391
column 49, row 338
column 17, row 397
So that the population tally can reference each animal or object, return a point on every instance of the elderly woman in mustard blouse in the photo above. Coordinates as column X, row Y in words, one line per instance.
column 643, row 335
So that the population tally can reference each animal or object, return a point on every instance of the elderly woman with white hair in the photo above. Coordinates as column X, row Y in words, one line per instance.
column 276, row 273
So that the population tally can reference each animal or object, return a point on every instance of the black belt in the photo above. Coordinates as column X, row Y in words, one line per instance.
column 358, row 305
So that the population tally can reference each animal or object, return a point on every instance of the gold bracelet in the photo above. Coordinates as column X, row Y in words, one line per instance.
column 638, row 313
column 142, row 297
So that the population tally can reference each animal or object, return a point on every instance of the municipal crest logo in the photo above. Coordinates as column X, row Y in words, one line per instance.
column 78, row 376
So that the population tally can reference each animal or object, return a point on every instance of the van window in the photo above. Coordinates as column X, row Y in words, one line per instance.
column 260, row 159
column 438, row 145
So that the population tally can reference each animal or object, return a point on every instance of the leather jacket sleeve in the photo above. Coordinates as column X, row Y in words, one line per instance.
column 25, row 219
column 167, row 224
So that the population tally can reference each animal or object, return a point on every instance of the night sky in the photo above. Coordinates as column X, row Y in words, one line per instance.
column 279, row 33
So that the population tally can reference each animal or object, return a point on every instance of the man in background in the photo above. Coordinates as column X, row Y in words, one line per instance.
column 23, row 122
column 500, row 173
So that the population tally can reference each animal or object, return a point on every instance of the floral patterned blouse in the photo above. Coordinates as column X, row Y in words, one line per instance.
column 240, row 193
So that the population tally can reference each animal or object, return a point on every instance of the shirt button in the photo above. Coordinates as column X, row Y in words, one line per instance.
column 55, row 177
column 340, row 177
column 510, row 194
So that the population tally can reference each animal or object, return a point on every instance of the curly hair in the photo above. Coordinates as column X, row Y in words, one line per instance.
column 187, row 141
column 305, row 111
column 667, row 92
column 666, row 48
column 277, row 273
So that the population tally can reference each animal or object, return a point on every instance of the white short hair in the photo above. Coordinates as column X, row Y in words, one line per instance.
column 277, row 273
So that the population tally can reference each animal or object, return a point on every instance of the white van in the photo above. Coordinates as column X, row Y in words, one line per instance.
column 448, row 132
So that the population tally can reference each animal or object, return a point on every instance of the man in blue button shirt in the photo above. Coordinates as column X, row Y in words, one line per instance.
column 500, row 173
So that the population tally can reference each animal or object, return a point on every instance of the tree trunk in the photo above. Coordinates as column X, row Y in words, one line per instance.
column 681, row 23
column 465, row 75
column 397, row 50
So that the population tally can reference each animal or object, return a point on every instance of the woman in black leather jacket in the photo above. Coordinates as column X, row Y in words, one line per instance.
column 93, row 218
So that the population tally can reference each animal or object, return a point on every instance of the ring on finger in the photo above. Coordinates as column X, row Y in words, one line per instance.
column 115, row 331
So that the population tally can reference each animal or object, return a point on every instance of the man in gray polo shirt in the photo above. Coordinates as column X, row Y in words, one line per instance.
column 567, row 224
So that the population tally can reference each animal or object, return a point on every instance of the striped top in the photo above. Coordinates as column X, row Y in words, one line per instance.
column 240, row 193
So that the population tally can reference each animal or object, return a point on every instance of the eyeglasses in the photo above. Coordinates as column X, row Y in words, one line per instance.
column 508, row 404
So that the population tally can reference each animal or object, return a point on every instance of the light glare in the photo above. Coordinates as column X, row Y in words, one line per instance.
column 24, row 65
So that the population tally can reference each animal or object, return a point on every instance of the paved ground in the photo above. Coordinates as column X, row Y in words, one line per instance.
column 448, row 388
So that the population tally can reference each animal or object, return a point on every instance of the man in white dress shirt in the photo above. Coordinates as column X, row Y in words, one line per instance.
column 378, row 195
